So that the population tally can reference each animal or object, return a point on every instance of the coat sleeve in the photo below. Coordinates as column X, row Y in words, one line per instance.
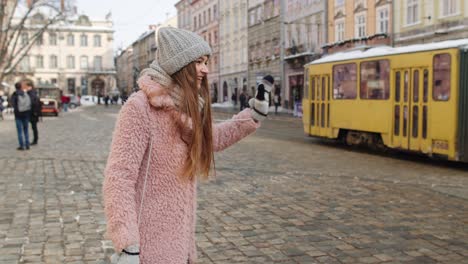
column 129, row 143
column 229, row 132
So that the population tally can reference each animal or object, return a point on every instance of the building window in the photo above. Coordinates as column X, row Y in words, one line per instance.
column 215, row 35
column 339, row 2
column 344, row 81
column 448, row 7
column 209, row 14
column 24, row 64
column 39, row 62
column 40, row 40
column 215, row 14
column 252, row 17
column 70, row 62
column 84, row 62
column 24, row 39
column 268, row 9
column 52, row 39
column 276, row 7
column 339, row 31
column 84, row 40
column 259, row 14
column 199, row 20
column 204, row 17
column 412, row 12
column 360, row 30
column 382, row 20
column 70, row 40
column 375, row 77
column 441, row 88
column 97, row 41
column 71, row 85
column 195, row 22
column 97, row 63
column 53, row 62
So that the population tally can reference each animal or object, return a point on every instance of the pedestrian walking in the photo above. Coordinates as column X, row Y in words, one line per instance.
column 36, row 107
column 21, row 103
column 106, row 100
column 65, row 101
column 1, row 107
column 163, row 142
column 277, row 101
column 243, row 100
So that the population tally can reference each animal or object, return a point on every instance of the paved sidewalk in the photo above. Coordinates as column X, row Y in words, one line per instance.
column 277, row 197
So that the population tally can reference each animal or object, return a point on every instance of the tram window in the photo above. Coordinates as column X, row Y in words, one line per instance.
column 328, row 87
column 344, row 81
column 405, row 120
column 375, row 80
column 313, row 88
column 424, row 122
column 306, row 84
column 405, row 87
column 397, row 86
column 323, row 88
column 322, row 117
column 425, row 85
column 441, row 90
column 415, row 121
column 312, row 115
column 416, row 86
column 396, row 126
column 328, row 115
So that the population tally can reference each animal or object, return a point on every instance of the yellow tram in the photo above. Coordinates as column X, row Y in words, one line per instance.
column 412, row 98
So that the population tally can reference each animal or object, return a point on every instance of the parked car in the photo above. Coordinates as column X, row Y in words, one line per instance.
column 87, row 100
column 75, row 101
column 50, row 106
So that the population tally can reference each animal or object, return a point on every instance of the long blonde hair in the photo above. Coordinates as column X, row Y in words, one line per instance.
column 200, row 143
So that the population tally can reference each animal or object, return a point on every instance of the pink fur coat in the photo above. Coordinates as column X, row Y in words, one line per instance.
column 166, row 233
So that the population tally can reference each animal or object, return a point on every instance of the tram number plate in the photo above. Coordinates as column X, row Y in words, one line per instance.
column 440, row 144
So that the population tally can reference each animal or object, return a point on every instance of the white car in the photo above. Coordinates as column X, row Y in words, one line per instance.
column 87, row 100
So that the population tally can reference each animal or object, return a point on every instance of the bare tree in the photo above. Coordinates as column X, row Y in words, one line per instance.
column 17, row 18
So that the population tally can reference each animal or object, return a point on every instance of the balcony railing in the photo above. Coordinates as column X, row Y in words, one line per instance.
column 98, row 70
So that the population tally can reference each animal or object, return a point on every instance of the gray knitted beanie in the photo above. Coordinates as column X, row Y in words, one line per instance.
column 178, row 47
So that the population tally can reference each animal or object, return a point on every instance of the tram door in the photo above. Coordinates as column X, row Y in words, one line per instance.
column 410, row 109
column 320, row 108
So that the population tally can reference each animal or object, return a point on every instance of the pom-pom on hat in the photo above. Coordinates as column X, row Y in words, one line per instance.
column 179, row 47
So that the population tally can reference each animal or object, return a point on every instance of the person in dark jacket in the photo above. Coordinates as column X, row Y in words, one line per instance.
column 21, row 103
column 36, row 107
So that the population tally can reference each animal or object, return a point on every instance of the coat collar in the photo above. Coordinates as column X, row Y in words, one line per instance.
column 158, row 95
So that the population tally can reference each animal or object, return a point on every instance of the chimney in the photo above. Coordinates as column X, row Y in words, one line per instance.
column 62, row 5
column 29, row 3
column 153, row 27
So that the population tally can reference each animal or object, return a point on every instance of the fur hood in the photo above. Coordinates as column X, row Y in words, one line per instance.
column 158, row 95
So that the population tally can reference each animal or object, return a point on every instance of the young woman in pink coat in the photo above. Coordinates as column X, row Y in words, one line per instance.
column 163, row 141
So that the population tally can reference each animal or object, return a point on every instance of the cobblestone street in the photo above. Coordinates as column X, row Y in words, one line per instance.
column 277, row 198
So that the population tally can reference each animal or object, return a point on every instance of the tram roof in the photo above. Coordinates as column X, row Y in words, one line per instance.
column 387, row 50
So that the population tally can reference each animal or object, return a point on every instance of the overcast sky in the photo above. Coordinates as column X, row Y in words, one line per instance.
column 131, row 18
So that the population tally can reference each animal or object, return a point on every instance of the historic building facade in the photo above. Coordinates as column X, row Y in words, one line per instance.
column 76, row 56
column 233, row 49
column 184, row 15
column 126, row 82
column 205, row 17
column 305, row 34
column 358, row 23
column 139, row 55
column 264, row 43
column 418, row 21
